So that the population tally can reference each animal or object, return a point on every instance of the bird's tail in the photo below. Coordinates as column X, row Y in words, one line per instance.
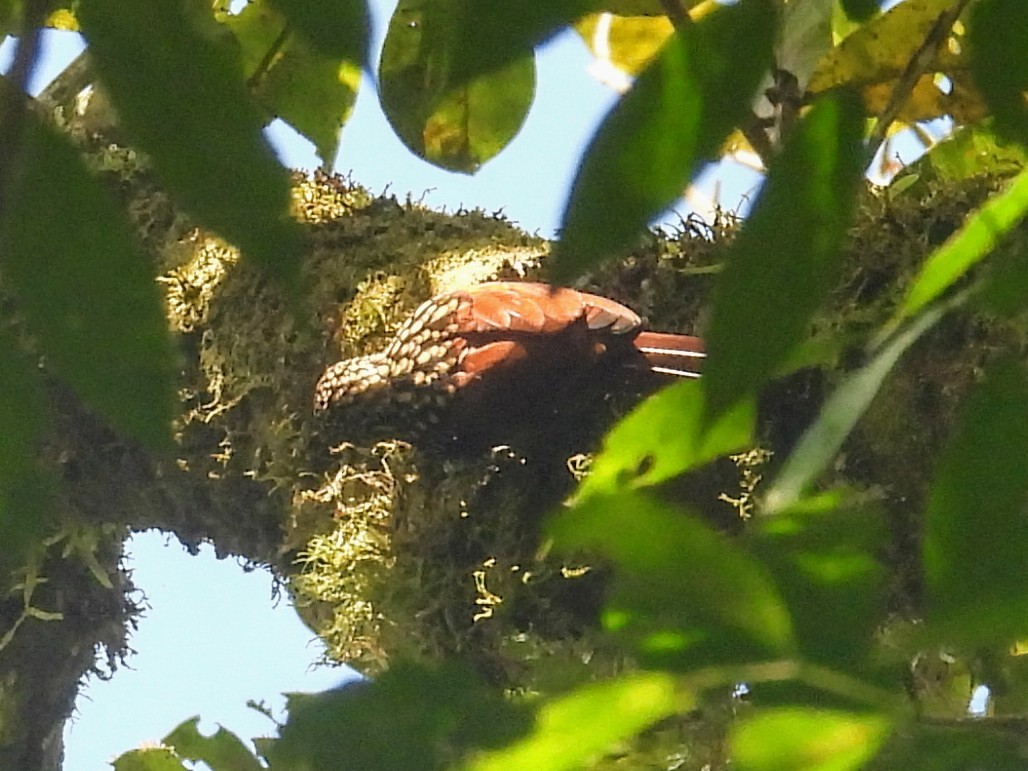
column 668, row 354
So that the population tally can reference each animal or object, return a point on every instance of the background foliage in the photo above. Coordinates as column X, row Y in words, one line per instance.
column 801, row 607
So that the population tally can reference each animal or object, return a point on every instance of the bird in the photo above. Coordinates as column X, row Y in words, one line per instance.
column 502, row 344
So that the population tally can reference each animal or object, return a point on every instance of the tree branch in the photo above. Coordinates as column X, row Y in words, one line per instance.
column 63, row 89
column 918, row 65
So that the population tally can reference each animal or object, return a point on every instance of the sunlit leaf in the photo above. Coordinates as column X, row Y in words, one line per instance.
column 410, row 717
column 627, row 43
column 872, row 59
column 682, row 594
column 87, row 290
column 822, row 554
column 457, row 125
column 575, row 728
column 999, row 61
column 776, row 276
column 339, row 29
column 974, row 241
column 152, row 759
column 840, row 413
column 311, row 91
column 881, row 49
column 797, row 739
column 672, row 120
column 313, row 94
column 175, row 77
column 665, row 436
column 975, row 539
column 24, row 494
column 222, row 750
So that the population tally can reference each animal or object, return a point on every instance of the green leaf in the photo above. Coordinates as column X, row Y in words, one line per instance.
column 410, row 717
column 967, row 152
column 664, row 437
column 311, row 91
column 339, row 29
column 682, row 593
column 154, row 759
column 797, row 739
column 455, row 125
column 822, row 440
column 975, row 539
column 87, row 290
column 672, row 120
column 493, row 35
column 574, row 729
column 175, row 78
column 1005, row 290
column 999, row 62
column 313, row 94
column 222, row 751
column 24, row 490
column 984, row 228
column 787, row 254
column 821, row 554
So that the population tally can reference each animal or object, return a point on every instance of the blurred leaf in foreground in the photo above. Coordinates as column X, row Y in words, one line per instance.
column 975, row 534
column 175, row 77
column 87, row 290
column 682, row 594
column 776, row 277
column 672, row 120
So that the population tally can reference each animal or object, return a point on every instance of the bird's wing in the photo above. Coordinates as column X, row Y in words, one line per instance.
column 528, row 307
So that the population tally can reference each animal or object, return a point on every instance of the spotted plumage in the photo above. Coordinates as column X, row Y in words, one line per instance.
column 506, row 338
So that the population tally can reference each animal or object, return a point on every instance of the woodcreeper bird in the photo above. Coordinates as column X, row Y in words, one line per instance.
column 501, row 344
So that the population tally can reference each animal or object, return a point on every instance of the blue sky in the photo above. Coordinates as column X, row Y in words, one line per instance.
column 212, row 636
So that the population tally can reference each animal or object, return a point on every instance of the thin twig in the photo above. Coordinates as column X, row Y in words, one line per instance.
column 752, row 129
column 919, row 64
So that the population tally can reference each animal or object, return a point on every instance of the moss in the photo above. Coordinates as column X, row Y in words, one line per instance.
column 412, row 549
column 427, row 552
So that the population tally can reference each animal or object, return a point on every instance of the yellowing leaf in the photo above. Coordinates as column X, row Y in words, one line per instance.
column 928, row 101
column 627, row 42
column 879, row 50
column 872, row 59
column 632, row 33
